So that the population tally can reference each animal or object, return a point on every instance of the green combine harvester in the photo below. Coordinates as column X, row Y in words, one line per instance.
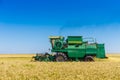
column 74, row 48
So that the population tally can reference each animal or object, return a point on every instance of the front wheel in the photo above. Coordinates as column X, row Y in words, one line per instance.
column 89, row 58
column 60, row 57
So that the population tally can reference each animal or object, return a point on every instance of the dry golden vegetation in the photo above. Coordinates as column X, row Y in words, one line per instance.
column 20, row 67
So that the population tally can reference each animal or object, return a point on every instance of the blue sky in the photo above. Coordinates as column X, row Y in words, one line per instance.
column 25, row 25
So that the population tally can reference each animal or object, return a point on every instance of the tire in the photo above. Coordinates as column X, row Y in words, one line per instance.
column 89, row 59
column 60, row 57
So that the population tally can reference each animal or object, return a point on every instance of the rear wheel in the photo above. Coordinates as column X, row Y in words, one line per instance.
column 89, row 58
column 60, row 57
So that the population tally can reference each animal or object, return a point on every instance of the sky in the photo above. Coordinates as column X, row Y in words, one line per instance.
column 25, row 25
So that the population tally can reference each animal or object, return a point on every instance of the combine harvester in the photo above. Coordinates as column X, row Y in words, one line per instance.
column 74, row 48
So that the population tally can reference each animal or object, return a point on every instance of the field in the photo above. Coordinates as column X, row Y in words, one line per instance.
column 20, row 67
